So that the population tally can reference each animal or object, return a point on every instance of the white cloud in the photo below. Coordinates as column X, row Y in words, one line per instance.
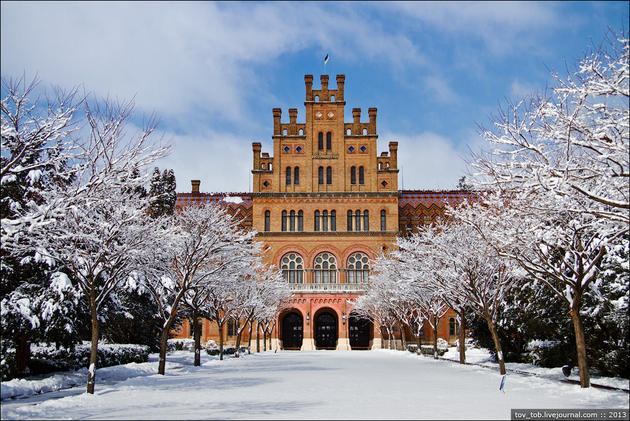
column 428, row 161
column 222, row 161
column 177, row 58
column 502, row 26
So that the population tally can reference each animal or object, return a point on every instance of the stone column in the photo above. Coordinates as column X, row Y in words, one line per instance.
column 343, row 342
column 377, row 341
column 308, row 344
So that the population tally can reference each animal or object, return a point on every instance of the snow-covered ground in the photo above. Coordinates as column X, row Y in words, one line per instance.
column 482, row 356
column 314, row 385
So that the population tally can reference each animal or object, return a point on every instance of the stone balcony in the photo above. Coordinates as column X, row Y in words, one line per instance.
column 328, row 288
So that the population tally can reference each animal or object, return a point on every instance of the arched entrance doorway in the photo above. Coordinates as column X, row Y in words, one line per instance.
column 292, row 331
column 326, row 330
column 360, row 331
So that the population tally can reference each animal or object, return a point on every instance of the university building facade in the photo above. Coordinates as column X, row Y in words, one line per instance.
column 325, row 203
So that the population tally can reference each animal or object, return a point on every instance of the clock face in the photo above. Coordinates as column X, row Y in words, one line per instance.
column 318, row 115
column 331, row 114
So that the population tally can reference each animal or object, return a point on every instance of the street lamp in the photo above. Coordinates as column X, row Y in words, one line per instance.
column 343, row 317
column 308, row 318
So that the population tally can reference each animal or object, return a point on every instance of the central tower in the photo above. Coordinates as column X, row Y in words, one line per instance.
column 325, row 204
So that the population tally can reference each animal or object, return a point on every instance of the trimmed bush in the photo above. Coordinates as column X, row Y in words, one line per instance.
column 180, row 344
column 48, row 358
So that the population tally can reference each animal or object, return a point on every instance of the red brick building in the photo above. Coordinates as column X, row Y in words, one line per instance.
column 325, row 203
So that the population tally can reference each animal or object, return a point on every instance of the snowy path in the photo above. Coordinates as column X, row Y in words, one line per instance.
column 319, row 384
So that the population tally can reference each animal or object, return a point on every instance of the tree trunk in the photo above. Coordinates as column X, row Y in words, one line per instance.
column 249, row 336
column 257, row 336
column 220, row 339
column 238, row 343
column 580, row 343
column 462, row 337
column 435, row 337
column 389, row 338
column 497, row 345
column 94, row 348
column 197, row 335
column 419, row 341
column 403, row 340
column 22, row 356
column 165, row 331
column 264, row 339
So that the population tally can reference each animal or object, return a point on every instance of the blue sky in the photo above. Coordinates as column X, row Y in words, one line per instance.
column 212, row 72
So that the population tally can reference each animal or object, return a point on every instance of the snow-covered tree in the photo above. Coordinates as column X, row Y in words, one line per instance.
column 574, row 142
column 460, row 265
column 205, row 243
column 93, row 225
column 561, row 165
column 36, row 150
column 163, row 192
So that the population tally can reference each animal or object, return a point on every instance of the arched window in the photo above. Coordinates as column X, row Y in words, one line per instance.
column 325, row 269
column 349, row 220
column 267, row 220
column 364, row 132
column 357, row 220
column 300, row 221
column 325, row 221
column 348, row 132
column 292, row 267
column 284, row 220
column 296, row 175
column 358, row 268
column 320, row 175
column 383, row 220
column 353, row 175
column 316, row 219
column 292, row 221
column 288, row 176
column 366, row 220
column 328, row 140
column 452, row 327
column 320, row 141
column 328, row 175
column 333, row 220
column 361, row 175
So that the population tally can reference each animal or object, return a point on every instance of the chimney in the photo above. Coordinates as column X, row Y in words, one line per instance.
column 340, row 81
column 277, row 114
column 308, row 82
column 195, row 186
column 356, row 115
column 372, row 113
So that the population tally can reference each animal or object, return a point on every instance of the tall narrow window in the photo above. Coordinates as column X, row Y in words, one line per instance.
column 383, row 220
column 366, row 220
column 353, row 175
column 325, row 221
column 296, row 175
column 357, row 220
column 300, row 221
column 333, row 220
column 292, row 221
column 284, row 220
column 349, row 220
column 316, row 219
column 320, row 175
column 361, row 175
column 288, row 176
column 267, row 220
column 328, row 175
column 320, row 141
column 328, row 140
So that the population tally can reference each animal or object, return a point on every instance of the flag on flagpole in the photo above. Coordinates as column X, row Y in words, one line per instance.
column 326, row 59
